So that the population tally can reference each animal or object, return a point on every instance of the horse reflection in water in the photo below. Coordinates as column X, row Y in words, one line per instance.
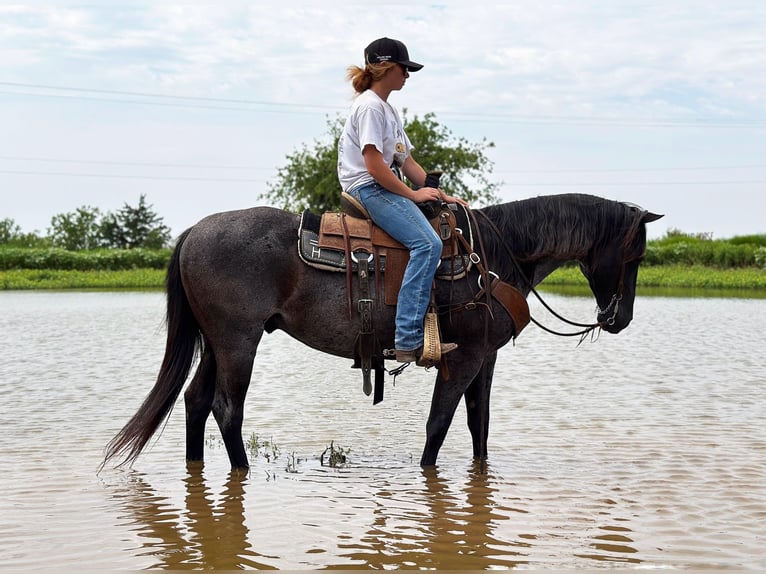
column 472, row 526
column 456, row 528
column 205, row 534
column 237, row 275
column 434, row 520
column 442, row 527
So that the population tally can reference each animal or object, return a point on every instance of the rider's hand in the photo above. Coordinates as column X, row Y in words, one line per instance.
column 450, row 199
column 424, row 194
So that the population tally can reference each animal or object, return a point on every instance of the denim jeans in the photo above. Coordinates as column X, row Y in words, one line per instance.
column 403, row 220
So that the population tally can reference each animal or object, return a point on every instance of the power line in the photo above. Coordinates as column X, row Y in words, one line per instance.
column 132, row 163
column 164, row 104
column 632, row 169
column 251, row 180
column 300, row 108
column 632, row 183
column 167, row 96
column 131, row 176
column 271, row 169
column 606, row 122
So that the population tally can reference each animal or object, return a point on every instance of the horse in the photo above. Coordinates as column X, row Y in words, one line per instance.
column 236, row 275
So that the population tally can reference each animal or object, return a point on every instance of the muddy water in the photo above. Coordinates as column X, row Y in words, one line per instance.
column 646, row 449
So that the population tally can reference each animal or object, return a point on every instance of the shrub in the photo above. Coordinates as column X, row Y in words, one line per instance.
column 101, row 259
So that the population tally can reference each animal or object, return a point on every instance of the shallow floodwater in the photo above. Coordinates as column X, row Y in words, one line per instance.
column 645, row 449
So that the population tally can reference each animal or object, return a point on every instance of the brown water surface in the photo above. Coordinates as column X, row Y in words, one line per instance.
column 642, row 450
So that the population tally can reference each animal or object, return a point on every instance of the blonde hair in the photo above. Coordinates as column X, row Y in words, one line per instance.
column 362, row 78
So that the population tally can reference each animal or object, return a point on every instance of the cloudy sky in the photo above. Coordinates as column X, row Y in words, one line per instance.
column 660, row 103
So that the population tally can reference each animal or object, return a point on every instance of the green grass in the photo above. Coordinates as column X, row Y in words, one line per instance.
column 747, row 281
column 686, row 280
column 70, row 279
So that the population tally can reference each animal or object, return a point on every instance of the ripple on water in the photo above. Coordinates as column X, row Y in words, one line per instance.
column 644, row 449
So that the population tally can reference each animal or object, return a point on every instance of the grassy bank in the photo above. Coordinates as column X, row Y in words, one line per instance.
column 677, row 276
column 74, row 279
column 694, row 277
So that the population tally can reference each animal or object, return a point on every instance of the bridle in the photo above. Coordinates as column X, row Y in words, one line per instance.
column 587, row 328
column 616, row 298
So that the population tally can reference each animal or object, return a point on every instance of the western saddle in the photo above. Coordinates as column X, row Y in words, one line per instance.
column 349, row 241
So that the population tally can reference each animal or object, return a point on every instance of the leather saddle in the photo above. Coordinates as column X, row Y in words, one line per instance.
column 349, row 241
column 334, row 241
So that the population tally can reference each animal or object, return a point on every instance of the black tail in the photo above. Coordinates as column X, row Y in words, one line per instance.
column 184, row 338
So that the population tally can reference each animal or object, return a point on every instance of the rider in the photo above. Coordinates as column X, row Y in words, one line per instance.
column 373, row 153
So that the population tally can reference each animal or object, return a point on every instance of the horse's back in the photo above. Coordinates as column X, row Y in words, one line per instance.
column 235, row 256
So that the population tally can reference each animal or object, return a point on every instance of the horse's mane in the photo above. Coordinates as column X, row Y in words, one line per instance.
column 566, row 226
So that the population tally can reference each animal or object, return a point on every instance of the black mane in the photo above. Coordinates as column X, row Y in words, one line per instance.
column 566, row 226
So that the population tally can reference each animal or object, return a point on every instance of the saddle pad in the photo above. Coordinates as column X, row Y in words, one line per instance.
column 325, row 258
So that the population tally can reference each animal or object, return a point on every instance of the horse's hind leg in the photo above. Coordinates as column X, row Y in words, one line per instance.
column 198, row 399
column 232, row 381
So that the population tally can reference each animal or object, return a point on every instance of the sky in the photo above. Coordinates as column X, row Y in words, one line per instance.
column 197, row 105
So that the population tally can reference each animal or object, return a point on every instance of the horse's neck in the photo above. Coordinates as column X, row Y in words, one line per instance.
column 536, row 259
column 544, row 267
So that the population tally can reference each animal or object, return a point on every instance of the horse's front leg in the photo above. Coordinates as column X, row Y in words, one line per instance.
column 477, row 406
column 446, row 397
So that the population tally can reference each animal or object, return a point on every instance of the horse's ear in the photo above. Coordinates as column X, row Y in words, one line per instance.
column 649, row 217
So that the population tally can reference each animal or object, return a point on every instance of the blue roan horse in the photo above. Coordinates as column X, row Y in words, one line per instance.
column 235, row 275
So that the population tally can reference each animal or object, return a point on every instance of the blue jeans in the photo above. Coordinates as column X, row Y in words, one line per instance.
column 403, row 220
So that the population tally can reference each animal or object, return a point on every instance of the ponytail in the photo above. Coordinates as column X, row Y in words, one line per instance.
column 362, row 78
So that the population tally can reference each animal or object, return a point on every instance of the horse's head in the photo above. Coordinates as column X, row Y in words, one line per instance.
column 611, row 268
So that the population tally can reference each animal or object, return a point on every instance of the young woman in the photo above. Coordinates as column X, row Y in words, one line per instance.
column 373, row 154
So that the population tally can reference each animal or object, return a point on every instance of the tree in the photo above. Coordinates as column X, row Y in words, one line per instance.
column 12, row 236
column 466, row 167
column 9, row 231
column 76, row 230
column 130, row 227
column 134, row 227
column 309, row 179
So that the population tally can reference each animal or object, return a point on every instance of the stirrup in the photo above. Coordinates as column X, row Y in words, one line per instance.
column 444, row 348
column 432, row 352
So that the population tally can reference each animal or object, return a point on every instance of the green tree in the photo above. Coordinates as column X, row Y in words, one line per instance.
column 12, row 235
column 9, row 231
column 466, row 167
column 132, row 227
column 76, row 230
column 310, row 180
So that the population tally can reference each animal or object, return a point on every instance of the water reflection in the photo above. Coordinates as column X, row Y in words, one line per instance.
column 612, row 546
column 437, row 521
column 210, row 532
column 648, row 448
column 454, row 528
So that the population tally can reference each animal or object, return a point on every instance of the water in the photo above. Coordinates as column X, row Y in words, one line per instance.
column 645, row 449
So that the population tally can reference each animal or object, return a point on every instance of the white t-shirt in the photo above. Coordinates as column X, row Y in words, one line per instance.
column 370, row 121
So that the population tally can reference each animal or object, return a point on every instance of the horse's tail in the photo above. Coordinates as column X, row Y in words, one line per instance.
column 183, row 340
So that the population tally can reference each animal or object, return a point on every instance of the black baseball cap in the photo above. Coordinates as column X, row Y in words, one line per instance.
column 388, row 50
